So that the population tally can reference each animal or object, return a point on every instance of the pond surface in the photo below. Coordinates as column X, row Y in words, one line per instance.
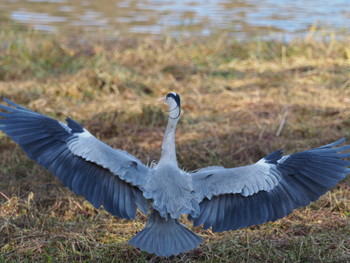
column 242, row 18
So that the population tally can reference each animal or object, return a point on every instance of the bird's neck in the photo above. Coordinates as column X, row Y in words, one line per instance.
column 168, row 146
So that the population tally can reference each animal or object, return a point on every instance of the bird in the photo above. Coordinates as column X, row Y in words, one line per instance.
column 215, row 197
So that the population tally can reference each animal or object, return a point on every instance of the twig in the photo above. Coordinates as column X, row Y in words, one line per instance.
column 283, row 122
column 6, row 197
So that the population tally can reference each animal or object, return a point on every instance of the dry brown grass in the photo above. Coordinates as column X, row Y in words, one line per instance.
column 235, row 96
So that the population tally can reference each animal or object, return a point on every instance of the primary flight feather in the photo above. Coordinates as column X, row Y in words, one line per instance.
column 216, row 197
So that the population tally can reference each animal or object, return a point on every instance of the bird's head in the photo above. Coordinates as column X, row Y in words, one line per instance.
column 174, row 103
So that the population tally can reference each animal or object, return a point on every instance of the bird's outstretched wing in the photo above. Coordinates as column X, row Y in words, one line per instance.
column 269, row 189
column 103, row 175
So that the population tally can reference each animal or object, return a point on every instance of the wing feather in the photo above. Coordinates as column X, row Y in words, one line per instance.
column 297, row 180
column 47, row 142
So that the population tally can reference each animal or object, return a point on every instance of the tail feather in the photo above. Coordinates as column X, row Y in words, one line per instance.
column 165, row 237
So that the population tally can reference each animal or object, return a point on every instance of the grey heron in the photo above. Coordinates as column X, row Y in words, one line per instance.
column 215, row 197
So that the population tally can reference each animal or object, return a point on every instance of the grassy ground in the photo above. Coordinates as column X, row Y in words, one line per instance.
column 241, row 100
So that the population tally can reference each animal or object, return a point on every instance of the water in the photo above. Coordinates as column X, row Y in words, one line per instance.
column 242, row 18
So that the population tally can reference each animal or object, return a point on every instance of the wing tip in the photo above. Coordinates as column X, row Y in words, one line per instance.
column 340, row 141
column 10, row 102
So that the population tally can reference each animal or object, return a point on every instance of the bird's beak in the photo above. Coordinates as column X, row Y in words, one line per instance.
column 163, row 99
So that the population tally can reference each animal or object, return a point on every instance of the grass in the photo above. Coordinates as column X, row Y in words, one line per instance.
column 241, row 100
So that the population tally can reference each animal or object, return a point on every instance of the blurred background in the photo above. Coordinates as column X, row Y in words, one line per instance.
column 254, row 77
column 241, row 19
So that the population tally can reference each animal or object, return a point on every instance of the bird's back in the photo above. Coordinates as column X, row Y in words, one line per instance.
column 172, row 191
